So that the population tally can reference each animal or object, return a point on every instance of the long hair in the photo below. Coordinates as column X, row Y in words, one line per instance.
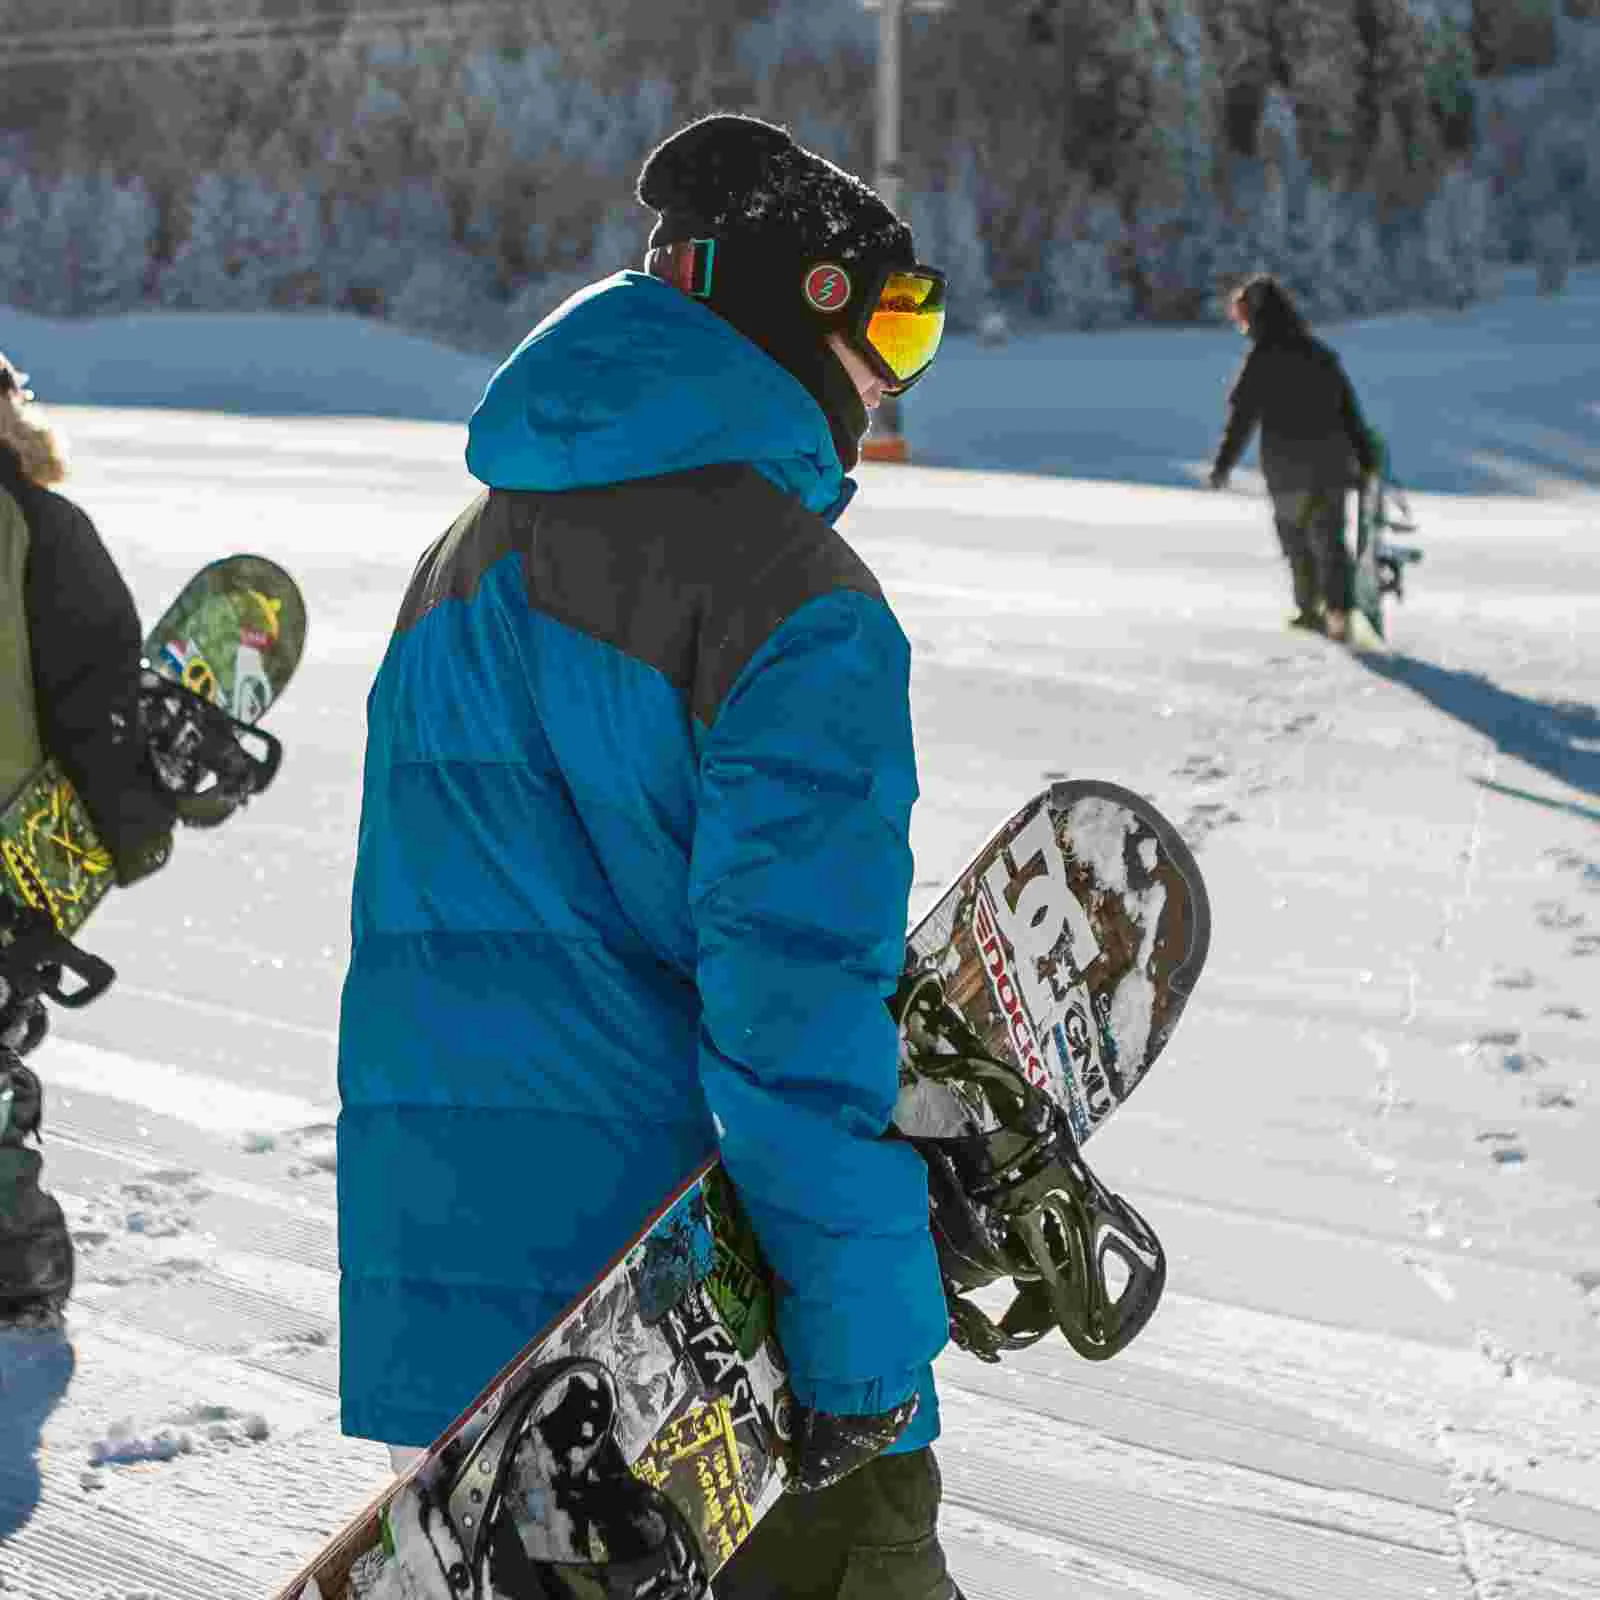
column 39, row 449
column 1268, row 311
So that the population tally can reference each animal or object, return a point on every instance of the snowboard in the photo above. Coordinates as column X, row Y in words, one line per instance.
column 1380, row 561
column 214, row 662
column 655, row 1411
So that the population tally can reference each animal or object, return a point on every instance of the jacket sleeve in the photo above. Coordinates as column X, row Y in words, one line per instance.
column 799, row 881
column 1244, row 412
column 86, row 644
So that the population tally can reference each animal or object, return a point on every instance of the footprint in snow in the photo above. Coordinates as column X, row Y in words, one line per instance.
column 1556, row 1099
column 1557, row 916
column 1507, row 1151
column 1504, row 1047
column 1300, row 722
column 1586, row 944
column 1512, row 978
column 1518, row 1062
column 315, row 1149
column 198, row 1429
column 1203, row 768
column 1204, row 819
column 293, row 1344
column 1497, row 1036
column 1586, row 871
column 1568, row 1013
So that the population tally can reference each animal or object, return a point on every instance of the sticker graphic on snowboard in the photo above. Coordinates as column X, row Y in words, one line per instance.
column 1070, row 947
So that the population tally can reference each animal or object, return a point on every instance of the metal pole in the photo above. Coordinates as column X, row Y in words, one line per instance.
column 888, row 130
column 889, row 442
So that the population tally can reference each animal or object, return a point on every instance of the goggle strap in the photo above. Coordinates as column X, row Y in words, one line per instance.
column 689, row 265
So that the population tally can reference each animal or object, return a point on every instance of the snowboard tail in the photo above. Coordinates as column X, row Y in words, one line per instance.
column 638, row 1440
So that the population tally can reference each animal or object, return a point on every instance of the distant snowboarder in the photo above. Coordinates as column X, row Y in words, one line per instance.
column 632, row 879
column 1314, row 446
column 70, row 647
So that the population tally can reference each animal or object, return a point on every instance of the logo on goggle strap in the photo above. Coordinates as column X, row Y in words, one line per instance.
column 827, row 287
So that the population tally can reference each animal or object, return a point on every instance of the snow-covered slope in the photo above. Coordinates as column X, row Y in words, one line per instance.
column 1370, row 1149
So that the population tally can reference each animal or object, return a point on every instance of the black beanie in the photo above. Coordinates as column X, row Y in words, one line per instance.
column 775, row 209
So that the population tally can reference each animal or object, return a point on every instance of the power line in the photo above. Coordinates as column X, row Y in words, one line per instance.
column 195, row 38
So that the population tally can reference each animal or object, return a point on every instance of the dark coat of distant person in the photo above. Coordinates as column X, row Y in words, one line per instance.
column 1294, row 388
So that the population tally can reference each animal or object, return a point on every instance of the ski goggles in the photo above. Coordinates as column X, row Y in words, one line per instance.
column 896, row 326
column 893, row 317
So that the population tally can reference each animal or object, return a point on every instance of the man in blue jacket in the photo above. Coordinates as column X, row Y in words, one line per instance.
column 633, row 868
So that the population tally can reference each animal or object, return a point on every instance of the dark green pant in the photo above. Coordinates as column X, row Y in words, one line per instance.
column 1310, row 524
column 872, row 1536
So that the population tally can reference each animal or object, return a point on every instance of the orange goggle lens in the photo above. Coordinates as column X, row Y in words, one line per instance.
column 907, row 323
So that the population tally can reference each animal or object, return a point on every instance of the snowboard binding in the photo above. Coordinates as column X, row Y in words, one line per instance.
column 211, row 762
column 1011, row 1196
column 543, row 1504
column 1393, row 559
column 37, row 959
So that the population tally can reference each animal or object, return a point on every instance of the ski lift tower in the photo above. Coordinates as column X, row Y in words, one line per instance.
column 886, row 442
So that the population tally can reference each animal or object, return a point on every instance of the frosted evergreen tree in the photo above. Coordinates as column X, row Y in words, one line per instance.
column 1083, row 283
column 373, row 246
column 1555, row 251
column 948, row 226
column 24, row 272
column 1458, row 242
column 1360, row 263
column 57, row 243
column 1321, row 49
column 450, row 296
column 615, row 246
column 200, row 274
column 118, row 229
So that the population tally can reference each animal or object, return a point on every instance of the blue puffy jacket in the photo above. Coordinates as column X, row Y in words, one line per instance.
column 632, row 879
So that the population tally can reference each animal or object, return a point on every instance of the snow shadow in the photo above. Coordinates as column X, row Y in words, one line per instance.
column 1558, row 737
column 36, row 1366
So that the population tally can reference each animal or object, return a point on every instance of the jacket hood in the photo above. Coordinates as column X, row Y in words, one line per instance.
column 631, row 378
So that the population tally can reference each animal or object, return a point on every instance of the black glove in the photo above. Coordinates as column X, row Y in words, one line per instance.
column 828, row 1447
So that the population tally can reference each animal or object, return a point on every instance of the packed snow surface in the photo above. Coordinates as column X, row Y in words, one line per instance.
column 1369, row 1149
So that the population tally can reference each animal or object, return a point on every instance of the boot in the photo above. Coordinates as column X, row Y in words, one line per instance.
column 1337, row 625
column 35, row 1247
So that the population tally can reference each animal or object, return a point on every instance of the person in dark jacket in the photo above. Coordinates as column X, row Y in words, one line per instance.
column 1313, row 445
column 70, row 646
column 633, row 867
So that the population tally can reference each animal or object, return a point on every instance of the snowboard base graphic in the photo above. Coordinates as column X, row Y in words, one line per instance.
column 638, row 1440
column 216, row 659
column 1380, row 563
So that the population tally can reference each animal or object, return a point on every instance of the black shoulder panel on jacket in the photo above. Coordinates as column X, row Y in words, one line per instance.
column 689, row 573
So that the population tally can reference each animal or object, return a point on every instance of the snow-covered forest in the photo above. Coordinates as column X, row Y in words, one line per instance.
column 458, row 168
